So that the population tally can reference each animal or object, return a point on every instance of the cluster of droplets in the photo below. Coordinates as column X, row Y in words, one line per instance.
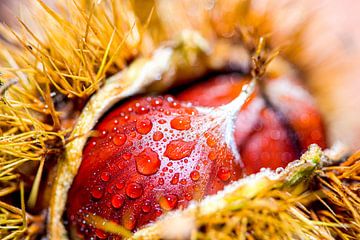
column 155, row 155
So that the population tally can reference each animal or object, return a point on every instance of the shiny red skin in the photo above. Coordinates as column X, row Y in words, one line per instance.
column 274, row 127
column 270, row 132
column 116, row 182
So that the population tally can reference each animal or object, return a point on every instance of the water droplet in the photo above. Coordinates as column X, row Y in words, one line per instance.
column 162, row 121
column 97, row 192
column 195, row 175
column 110, row 189
column 158, row 136
column 146, row 207
column 168, row 202
column 117, row 201
column 179, row 149
column 224, row 173
column 210, row 141
column 188, row 196
column 129, row 221
column 120, row 165
column 147, row 162
column 134, row 190
column 104, row 133
column 141, row 109
column 169, row 98
column 143, row 126
column 119, row 139
column 175, row 179
column 156, row 102
column 105, row 176
column 158, row 213
column 212, row 155
column 161, row 181
column 181, row 123
column 174, row 104
column 120, row 185
column 190, row 111
column 183, row 181
column 126, row 156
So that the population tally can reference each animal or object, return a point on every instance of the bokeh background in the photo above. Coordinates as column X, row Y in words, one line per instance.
column 331, row 48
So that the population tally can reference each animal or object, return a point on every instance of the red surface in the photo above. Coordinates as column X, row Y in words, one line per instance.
column 151, row 156
column 154, row 155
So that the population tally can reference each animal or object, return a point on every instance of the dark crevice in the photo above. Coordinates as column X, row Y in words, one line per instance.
column 290, row 131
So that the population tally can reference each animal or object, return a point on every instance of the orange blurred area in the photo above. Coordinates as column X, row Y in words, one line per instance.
column 331, row 49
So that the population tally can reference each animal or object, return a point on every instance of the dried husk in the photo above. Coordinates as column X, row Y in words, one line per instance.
column 64, row 53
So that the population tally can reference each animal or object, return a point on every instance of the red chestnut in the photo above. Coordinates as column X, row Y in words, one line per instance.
column 152, row 155
column 155, row 154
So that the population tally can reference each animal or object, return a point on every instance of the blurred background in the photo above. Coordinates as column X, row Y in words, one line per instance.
column 331, row 44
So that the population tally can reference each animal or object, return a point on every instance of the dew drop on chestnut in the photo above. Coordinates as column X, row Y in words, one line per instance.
column 211, row 142
column 104, row 133
column 195, row 175
column 188, row 196
column 105, row 176
column 97, row 192
column 141, row 109
column 224, row 174
column 117, row 201
column 168, row 202
column 191, row 111
column 179, row 149
column 162, row 121
column 147, row 162
column 119, row 139
column 156, row 102
column 158, row 213
column 183, row 181
column 175, row 179
column 157, row 136
column 120, row 185
column 181, row 123
column 161, row 181
column 134, row 190
column 126, row 156
column 129, row 222
column 143, row 126
column 174, row 104
column 146, row 207
column 212, row 155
